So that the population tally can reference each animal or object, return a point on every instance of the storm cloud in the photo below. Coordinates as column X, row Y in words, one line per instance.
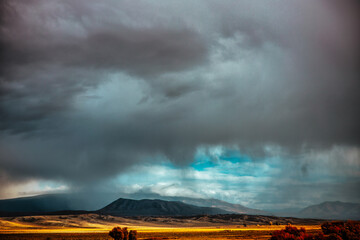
column 89, row 89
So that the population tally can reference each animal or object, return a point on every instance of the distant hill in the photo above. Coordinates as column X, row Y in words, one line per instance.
column 37, row 204
column 230, row 207
column 156, row 207
column 57, row 202
column 332, row 210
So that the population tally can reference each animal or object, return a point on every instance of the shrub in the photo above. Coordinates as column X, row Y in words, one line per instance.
column 293, row 233
column 118, row 233
column 349, row 230
column 133, row 235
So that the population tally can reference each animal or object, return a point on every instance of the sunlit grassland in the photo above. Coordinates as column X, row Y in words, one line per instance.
column 197, row 233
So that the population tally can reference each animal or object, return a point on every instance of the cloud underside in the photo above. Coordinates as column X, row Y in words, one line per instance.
column 88, row 89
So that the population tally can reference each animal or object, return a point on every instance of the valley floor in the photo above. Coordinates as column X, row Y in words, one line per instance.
column 94, row 226
column 224, row 232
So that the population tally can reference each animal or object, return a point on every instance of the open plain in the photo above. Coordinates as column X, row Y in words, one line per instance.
column 94, row 226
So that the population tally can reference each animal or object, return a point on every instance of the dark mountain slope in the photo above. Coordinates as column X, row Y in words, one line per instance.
column 200, row 202
column 41, row 203
column 156, row 207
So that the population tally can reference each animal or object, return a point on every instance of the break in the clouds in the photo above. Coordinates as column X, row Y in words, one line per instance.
column 95, row 91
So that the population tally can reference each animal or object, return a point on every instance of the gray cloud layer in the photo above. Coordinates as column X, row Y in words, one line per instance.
column 89, row 89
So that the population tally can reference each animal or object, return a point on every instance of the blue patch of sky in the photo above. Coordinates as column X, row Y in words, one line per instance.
column 234, row 156
column 231, row 162
column 204, row 160
column 201, row 164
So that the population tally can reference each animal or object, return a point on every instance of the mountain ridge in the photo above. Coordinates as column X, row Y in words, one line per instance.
column 66, row 202
column 212, row 202
column 70, row 202
column 156, row 207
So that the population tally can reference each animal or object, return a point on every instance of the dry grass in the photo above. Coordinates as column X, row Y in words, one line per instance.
column 196, row 233
column 93, row 226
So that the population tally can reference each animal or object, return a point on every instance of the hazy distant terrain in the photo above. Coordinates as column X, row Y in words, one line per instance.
column 41, row 203
column 230, row 207
column 57, row 202
column 163, row 206
column 332, row 210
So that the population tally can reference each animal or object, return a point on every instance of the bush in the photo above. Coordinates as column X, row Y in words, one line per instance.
column 349, row 230
column 293, row 233
column 118, row 233
column 133, row 235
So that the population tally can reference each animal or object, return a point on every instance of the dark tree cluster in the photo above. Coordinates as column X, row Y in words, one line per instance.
column 118, row 233
column 349, row 230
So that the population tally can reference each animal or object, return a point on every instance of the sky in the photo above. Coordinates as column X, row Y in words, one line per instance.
column 251, row 102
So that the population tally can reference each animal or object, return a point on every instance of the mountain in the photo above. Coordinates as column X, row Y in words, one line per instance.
column 156, row 207
column 36, row 204
column 94, row 201
column 57, row 202
column 215, row 203
column 165, row 206
column 332, row 210
column 200, row 202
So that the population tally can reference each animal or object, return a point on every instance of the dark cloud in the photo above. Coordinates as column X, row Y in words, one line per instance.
column 89, row 89
column 46, row 61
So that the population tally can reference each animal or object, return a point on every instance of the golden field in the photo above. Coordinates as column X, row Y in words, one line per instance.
column 91, row 226
column 197, row 233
